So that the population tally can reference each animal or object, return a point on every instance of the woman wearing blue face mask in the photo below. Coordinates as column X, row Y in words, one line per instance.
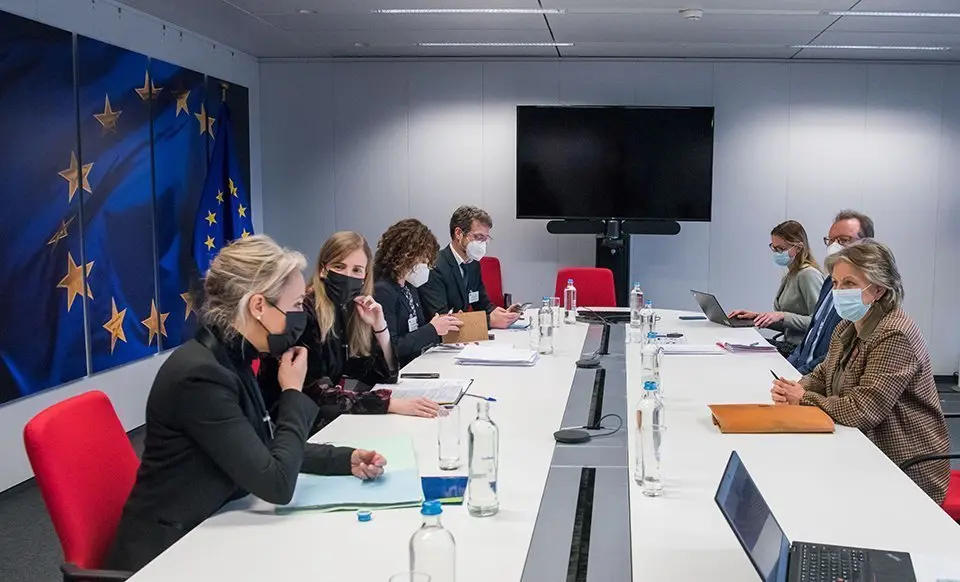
column 799, row 290
column 877, row 375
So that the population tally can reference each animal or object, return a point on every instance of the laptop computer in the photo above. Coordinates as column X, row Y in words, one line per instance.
column 778, row 560
column 711, row 308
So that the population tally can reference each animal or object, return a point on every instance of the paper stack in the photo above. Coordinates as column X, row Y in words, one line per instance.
column 754, row 348
column 693, row 350
column 496, row 356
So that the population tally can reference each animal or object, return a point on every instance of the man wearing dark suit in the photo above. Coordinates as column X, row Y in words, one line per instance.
column 848, row 227
column 455, row 283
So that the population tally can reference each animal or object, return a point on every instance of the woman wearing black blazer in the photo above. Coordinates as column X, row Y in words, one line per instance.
column 405, row 253
column 209, row 439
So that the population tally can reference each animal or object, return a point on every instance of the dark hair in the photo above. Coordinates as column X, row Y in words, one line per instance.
column 866, row 223
column 464, row 216
column 794, row 233
column 402, row 246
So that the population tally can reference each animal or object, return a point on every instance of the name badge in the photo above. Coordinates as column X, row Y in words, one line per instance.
column 412, row 324
column 473, row 297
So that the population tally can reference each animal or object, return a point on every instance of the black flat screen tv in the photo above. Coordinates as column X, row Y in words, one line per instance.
column 640, row 163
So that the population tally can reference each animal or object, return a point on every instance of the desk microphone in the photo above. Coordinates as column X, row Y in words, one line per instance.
column 593, row 360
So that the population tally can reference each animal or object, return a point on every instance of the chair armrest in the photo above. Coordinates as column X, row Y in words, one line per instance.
column 951, row 414
column 73, row 573
column 508, row 300
column 924, row 458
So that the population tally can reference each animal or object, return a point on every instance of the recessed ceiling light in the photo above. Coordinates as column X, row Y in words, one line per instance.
column 469, row 11
column 494, row 44
column 894, row 14
column 870, row 47
column 306, row 11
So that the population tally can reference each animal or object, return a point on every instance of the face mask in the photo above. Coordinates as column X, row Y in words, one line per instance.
column 849, row 304
column 476, row 250
column 783, row 259
column 279, row 343
column 418, row 275
column 341, row 289
column 834, row 248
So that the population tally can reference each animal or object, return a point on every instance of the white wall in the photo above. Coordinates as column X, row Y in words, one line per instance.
column 359, row 145
column 127, row 387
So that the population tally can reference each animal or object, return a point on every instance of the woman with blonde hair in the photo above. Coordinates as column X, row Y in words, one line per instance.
column 877, row 376
column 799, row 290
column 209, row 438
column 346, row 336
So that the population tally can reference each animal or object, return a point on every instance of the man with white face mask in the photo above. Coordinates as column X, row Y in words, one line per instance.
column 455, row 283
column 848, row 227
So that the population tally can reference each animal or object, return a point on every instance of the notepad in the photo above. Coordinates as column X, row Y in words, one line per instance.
column 754, row 348
column 693, row 350
column 496, row 356
column 440, row 390
column 399, row 486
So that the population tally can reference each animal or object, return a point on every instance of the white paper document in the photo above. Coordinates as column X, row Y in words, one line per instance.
column 496, row 356
column 693, row 350
column 440, row 390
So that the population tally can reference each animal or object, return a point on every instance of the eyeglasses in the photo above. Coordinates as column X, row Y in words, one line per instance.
column 479, row 237
column 843, row 240
column 777, row 249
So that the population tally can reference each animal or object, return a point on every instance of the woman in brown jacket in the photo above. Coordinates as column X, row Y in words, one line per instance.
column 877, row 375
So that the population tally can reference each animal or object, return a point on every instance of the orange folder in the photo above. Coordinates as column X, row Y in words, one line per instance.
column 770, row 418
column 473, row 328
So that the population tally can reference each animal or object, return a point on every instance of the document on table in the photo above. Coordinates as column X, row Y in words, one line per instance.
column 693, row 350
column 440, row 390
column 399, row 486
column 496, row 356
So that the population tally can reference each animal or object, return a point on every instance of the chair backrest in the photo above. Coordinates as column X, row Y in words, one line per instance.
column 492, row 280
column 595, row 286
column 85, row 467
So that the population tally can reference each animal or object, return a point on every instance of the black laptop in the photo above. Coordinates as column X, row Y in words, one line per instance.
column 711, row 308
column 778, row 560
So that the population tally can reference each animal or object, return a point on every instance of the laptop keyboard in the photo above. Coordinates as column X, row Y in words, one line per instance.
column 830, row 564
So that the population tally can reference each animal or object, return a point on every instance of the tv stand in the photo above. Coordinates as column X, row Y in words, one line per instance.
column 613, row 244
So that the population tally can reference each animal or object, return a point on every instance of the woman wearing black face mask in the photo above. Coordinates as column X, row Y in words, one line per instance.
column 346, row 337
column 209, row 439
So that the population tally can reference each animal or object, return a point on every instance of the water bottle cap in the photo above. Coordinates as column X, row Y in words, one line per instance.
column 649, row 302
column 651, row 335
column 546, row 298
column 570, row 281
column 636, row 283
column 364, row 515
column 431, row 508
column 649, row 385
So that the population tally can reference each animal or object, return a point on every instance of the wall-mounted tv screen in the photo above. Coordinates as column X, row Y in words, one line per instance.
column 645, row 163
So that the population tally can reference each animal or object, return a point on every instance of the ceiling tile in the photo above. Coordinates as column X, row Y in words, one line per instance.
column 667, row 50
column 705, row 4
column 889, row 39
column 367, row 21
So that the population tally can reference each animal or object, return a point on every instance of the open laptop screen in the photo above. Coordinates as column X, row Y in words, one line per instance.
column 752, row 522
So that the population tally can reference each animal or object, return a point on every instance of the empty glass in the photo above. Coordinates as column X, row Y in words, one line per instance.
column 410, row 577
column 448, row 437
column 557, row 315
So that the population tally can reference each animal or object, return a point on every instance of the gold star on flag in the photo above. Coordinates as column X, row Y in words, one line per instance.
column 220, row 197
column 156, row 323
column 149, row 90
column 75, row 176
column 244, row 234
column 210, row 243
column 61, row 232
column 188, row 299
column 211, row 218
column 115, row 325
column 233, row 187
column 182, row 102
column 108, row 119
column 242, row 211
column 206, row 122
column 73, row 281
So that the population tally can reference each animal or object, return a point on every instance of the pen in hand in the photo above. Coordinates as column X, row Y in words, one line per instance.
column 775, row 377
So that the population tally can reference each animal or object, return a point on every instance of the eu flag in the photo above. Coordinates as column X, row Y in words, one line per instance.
column 224, row 211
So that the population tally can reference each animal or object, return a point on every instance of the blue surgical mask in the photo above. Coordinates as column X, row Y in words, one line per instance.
column 849, row 304
column 782, row 258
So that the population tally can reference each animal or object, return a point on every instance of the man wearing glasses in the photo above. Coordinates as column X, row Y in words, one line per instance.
column 455, row 283
column 848, row 227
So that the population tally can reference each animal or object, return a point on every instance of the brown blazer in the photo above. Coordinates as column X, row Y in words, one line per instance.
column 881, row 382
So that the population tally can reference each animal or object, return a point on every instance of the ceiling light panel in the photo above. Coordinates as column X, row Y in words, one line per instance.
column 475, row 11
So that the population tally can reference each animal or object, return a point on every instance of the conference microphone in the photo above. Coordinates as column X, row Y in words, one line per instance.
column 593, row 360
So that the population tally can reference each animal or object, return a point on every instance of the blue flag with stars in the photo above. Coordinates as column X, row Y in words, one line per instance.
column 224, row 211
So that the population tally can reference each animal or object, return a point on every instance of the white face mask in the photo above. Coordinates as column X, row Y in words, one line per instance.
column 834, row 248
column 418, row 275
column 476, row 250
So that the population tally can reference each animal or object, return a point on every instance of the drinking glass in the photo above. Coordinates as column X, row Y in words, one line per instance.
column 448, row 437
column 410, row 577
column 555, row 306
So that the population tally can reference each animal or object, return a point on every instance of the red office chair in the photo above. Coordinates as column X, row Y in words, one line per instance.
column 951, row 503
column 595, row 286
column 85, row 467
column 493, row 282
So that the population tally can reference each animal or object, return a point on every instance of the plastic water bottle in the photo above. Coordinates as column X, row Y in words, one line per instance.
column 636, row 306
column 545, row 323
column 650, row 355
column 484, row 443
column 433, row 551
column 570, row 303
column 649, row 431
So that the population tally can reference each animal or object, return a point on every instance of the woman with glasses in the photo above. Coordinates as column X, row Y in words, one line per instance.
column 799, row 290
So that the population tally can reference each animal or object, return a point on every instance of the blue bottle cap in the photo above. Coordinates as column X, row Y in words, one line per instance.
column 364, row 515
column 546, row 298
column 431, row 508
column 649, row 302
column 651, row 334
column 649, row 385
column 569, row 281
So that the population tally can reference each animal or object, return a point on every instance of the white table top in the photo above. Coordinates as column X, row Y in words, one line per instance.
column 834, row 489
column 247, row 541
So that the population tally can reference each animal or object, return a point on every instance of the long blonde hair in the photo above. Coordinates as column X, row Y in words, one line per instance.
column 247, row 267
column 359, row 334
column 793, row 232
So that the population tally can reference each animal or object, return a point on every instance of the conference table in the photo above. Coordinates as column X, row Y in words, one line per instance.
column 836, row 488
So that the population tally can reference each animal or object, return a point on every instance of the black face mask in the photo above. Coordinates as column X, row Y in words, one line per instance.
column 279, row 343
column 341, row 289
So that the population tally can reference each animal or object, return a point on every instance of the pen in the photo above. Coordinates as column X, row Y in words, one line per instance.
column 487, row 398
column 421, row 376
column 775, row 377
